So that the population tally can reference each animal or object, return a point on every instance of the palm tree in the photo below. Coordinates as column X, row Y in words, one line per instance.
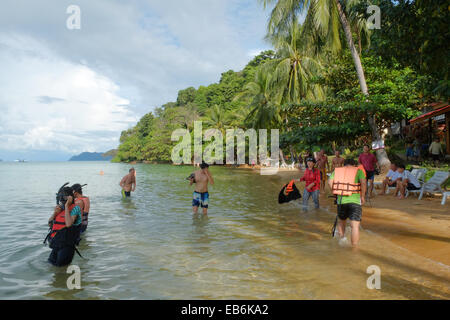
column 218, row 118
column 293, row 69
column 263, row 112
column 322, row 21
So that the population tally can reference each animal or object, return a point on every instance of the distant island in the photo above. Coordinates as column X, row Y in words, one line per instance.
column 94, row 156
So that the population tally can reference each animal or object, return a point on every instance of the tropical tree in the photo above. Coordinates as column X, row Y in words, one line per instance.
column 322, row 18
column 263, row 112
column 293, row 69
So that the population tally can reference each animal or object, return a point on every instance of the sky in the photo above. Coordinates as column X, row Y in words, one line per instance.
column 65, row 91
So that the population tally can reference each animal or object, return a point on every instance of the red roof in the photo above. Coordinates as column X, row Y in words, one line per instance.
column 434, row 113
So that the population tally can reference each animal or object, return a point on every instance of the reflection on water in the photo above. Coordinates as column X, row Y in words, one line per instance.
column 151, row 246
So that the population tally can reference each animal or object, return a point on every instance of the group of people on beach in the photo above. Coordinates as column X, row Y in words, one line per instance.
column 348, row 181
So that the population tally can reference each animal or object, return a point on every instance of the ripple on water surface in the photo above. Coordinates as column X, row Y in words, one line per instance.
column 151, row 246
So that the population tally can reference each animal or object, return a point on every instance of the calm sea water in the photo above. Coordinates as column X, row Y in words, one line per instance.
column 153, row 247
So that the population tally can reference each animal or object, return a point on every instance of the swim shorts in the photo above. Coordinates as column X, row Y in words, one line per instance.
column 370, row 175
column 126, row 194
column 350, row 211
column 323, row 174
column 200, row 199
column 411, row 187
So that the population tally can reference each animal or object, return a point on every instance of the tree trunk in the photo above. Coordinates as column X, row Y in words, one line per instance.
column 282, row 157
column 381, row 153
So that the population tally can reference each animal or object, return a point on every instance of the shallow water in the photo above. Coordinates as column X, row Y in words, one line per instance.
column 152, row 247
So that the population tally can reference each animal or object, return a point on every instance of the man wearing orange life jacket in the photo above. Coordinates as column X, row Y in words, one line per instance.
column 65, row 231
column 84, row 203
column 349, row 184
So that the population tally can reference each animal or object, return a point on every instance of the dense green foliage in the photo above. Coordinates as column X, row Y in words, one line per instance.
column 150, row 139
column 308, row 87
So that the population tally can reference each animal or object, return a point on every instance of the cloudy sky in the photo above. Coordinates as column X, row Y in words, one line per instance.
column 66, row 91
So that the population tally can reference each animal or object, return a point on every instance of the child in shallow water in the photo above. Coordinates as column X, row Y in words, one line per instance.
column 312, row 183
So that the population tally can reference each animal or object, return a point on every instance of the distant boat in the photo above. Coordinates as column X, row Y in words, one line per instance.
column 20, row 160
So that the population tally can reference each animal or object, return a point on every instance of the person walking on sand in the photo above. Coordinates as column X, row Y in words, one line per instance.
column 312, row 183
column 369, row 161
column 322, row 164
column 337, row 161
column 128, row 183
column 435, row 150
column 201, row 178
column 349, row 184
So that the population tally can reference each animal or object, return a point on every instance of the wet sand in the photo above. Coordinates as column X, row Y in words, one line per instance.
column 420, row 226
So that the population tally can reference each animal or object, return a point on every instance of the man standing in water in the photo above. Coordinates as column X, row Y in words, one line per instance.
column 337, row 161
column 201, row 178
column 128, row 183
column 349, row 184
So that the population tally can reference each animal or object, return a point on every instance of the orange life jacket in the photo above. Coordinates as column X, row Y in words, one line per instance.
column 289, row 187
column 60, row 221
column 86, row 207
column 344, row 181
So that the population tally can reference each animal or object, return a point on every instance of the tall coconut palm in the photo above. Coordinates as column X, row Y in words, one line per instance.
column 218, row 118
column 325, row 18
column 293, row 69
column 263, row 113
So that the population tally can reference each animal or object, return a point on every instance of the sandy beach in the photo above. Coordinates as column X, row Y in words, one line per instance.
column 420, row 226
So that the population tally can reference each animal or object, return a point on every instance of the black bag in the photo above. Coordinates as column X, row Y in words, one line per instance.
column 293, row 195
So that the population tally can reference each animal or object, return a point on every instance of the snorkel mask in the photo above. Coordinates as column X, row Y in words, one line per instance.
column 60, row 195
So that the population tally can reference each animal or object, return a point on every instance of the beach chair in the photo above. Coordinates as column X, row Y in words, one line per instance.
column 444, row 197
column 418, row 173
column 433, row 185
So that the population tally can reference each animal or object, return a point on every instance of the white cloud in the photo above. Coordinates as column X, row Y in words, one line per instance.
column 129, row 55
column 49, row 103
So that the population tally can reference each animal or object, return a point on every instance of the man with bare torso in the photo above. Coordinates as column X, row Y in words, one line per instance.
column 322, row 164
column 201, row 178
column 337, row 161
column 128, row 183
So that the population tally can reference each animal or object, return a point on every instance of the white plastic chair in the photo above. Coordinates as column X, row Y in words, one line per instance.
column 420, row 175
column 444, row 197
column 433, row 185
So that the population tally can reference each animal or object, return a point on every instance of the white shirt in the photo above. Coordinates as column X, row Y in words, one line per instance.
column 394, row 175
column 411, row 179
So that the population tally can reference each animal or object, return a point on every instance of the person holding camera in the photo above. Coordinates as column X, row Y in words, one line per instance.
column 371, row 166
column 201, row 178
column 65, row 224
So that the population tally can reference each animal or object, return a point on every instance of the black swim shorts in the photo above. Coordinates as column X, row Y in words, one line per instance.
column 350, row 211
column 410, row 187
